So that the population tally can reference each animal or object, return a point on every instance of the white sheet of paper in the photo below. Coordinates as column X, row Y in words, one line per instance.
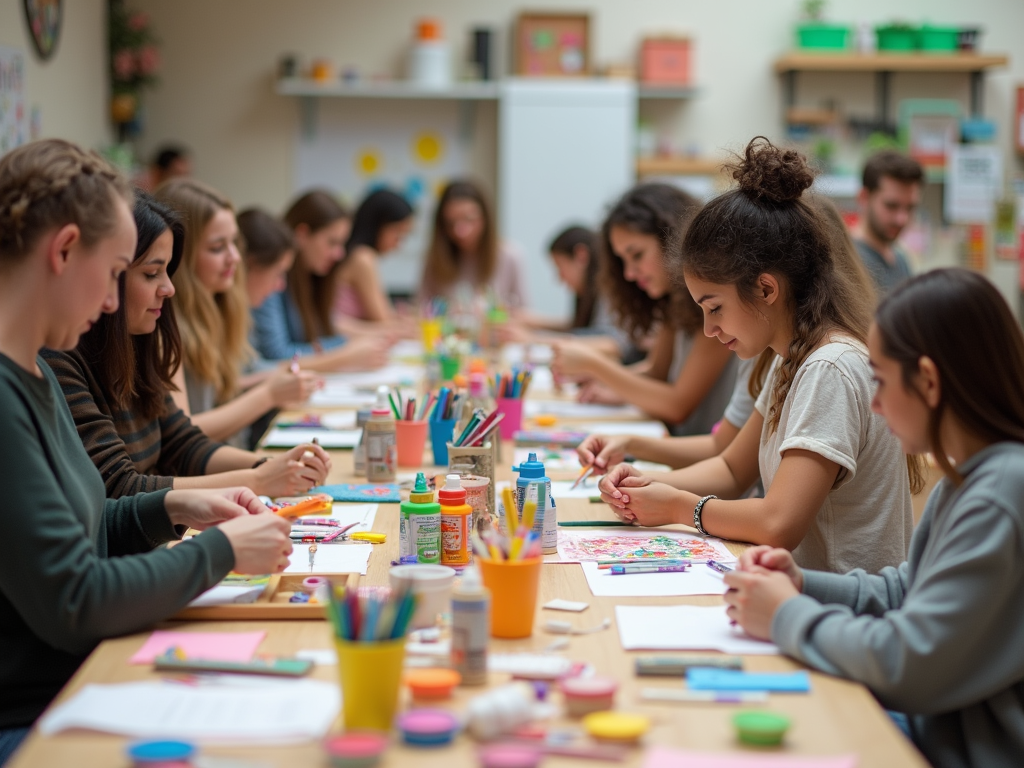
column 392, row 375
column 221, row 595
column 340, row 397
column 571, row 410
column 330, row 558
column 699, row 580
column 566, row 460
column 684, row 628
column 322, row 657
column 562, row 489
column 640, row 428
column 406, row 348
column 328, row 438
column 519, row 354
column 339, row 420
column 257, row 712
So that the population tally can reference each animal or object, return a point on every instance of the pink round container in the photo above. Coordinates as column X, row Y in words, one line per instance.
column 510, row 756
column 355, row 749
column 584, row 695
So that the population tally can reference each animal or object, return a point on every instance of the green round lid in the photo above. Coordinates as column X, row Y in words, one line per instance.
column 762, row 728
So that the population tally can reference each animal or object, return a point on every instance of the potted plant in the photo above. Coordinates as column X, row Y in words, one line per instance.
column 896, row 36
column 816, row 33
column 134, row 61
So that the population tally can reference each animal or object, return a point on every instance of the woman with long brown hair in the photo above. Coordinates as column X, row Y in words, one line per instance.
column 687, row 377
column 297, row 323
column 937, row 639
column 762, row 265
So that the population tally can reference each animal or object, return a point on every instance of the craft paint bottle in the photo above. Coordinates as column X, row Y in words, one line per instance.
column 420, row 527
column 359, row 454
column 381, row 442
column 455, row 517
column 534, row 485
column 471, row 627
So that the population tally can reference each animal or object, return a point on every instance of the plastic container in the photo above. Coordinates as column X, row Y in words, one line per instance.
column 512, row 407
column 371, row 674
column 763, row 729
column 428, row 727
column 359, row 454
column 432, row 684
column 471, row 621
column 825, row 37
column 411, row 439
column 450, row 367
column 938, row 39
column 513, row 585
column 380, row 439
column 533, row 484
column 584, row 695
column 430, row 331
column 356, row 749
column 420, row 524
column 617, row 727
column 455, row 517
column 441, row 432
column 476, row 496
column 432, row 584
column 161, row 752
column 896, row 39
column 510, row 756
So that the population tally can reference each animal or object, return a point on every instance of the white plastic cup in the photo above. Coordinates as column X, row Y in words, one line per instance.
column 432, row 584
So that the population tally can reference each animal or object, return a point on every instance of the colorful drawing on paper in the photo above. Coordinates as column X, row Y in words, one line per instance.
column 586, row 546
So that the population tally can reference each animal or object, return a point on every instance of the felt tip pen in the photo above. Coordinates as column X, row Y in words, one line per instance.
column 623, row 570
column 703, row 697
column 717, row 566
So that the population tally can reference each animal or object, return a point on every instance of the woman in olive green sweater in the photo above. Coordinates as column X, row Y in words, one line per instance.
column 78, row 568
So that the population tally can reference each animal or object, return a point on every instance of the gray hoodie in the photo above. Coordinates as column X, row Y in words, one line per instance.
column 941, row 637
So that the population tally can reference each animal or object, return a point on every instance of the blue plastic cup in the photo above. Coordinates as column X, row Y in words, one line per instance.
column 441, row 433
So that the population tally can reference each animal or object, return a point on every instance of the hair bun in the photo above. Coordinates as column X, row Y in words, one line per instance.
column 770, row 173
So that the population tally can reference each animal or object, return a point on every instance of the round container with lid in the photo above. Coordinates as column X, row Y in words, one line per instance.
column 163, row 751
column 432, row 684
column 428, row 727
column 584, row 695
column 510, row 756
column 764, row 729
column 355, row 749
column 616, row 726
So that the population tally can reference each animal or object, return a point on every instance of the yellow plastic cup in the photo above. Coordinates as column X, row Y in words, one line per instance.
column 431, row 331
column 514, row 585
column 371, row 674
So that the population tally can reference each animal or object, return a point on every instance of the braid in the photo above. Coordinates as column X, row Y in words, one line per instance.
column 51, row 183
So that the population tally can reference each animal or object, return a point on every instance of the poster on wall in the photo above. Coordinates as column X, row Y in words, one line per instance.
column 413, row 148
column 974, row 179
column 13, row 119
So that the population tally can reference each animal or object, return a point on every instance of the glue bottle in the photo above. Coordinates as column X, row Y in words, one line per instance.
column 471, row 627
column 534, row 485
column 420, row 524
column 381, row 443
column 359, row 454
column 455, row 517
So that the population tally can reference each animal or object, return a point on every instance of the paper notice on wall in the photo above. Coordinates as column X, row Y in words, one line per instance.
column 974, row 180
column 13, row 119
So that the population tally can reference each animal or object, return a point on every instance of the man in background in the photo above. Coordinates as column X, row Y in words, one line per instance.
column 170, row 162
column 890, row 194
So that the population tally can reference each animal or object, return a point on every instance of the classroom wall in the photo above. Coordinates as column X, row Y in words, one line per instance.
column 70, row 90
column 217, row 91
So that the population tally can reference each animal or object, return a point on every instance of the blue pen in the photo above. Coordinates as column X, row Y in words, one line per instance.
column 717, row 566
column 623, row 570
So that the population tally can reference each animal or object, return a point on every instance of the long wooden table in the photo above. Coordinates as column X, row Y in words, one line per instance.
column 837, row 717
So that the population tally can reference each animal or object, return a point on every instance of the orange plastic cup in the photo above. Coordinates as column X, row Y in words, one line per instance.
column 411, row 439
column 514, row 585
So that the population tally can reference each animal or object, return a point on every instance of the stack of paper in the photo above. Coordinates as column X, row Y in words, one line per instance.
column 684, row 628
column 235, row 711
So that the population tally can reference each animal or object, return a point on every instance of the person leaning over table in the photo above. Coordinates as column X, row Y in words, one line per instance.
column 77, row 567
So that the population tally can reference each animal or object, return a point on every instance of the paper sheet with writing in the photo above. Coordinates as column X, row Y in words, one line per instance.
column 684, row 628
column 330, row 558
column 699, row 580
column 249, row 711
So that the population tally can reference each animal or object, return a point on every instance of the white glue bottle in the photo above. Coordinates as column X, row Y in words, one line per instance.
column 380, row 437
column 471, row 627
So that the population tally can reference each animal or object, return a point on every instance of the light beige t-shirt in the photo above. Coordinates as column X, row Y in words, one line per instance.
column 867, row 518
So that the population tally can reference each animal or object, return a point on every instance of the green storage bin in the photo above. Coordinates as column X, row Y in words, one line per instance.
column 828, row 37
column 894, row 39
column 939, row 39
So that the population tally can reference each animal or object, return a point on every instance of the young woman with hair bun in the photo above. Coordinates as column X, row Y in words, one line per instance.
column 763, row 265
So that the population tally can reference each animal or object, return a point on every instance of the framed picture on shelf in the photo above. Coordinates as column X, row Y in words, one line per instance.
column 552, row 44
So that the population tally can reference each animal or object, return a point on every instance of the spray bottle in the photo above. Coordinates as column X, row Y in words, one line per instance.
column 381, row 442
column 420, row 524
column 471, row 627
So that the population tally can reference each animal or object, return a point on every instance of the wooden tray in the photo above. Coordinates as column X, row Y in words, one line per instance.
column 272, row 604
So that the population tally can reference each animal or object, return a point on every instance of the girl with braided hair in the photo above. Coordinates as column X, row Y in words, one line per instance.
column 80, row 567
column 762, row 264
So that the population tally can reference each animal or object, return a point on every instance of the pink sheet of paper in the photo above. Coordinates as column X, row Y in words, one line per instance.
column 660, row 757
column 216, row 646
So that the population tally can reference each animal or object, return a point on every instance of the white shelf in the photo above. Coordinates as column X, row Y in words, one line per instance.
column 387, row 89
column 665, row 92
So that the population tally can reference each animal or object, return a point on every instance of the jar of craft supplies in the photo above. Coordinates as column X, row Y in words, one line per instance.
column 476, row 496
column 455, row 517
column 478, row 460
column 471, row 623
column 534, row 485
column 381, row 445
column 420, row 524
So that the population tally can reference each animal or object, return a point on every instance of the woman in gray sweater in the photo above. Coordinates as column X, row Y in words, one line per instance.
column 941, row 637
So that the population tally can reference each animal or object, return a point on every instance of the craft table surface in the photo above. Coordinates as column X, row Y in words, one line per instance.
column 837, row 717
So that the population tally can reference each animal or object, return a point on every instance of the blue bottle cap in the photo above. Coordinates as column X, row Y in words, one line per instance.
column 143, row 752
column 531, row 467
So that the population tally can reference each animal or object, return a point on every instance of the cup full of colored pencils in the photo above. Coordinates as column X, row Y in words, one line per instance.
column 510, row 568
column 410, row 429
column 370, row 627
column 509, row 392
column 441, row 412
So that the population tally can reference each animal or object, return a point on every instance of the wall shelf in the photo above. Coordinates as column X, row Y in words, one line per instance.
column 678, row 166
column 386, row 89
column 665, row 92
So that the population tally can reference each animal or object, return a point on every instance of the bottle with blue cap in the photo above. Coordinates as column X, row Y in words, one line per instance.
column 533, row 484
